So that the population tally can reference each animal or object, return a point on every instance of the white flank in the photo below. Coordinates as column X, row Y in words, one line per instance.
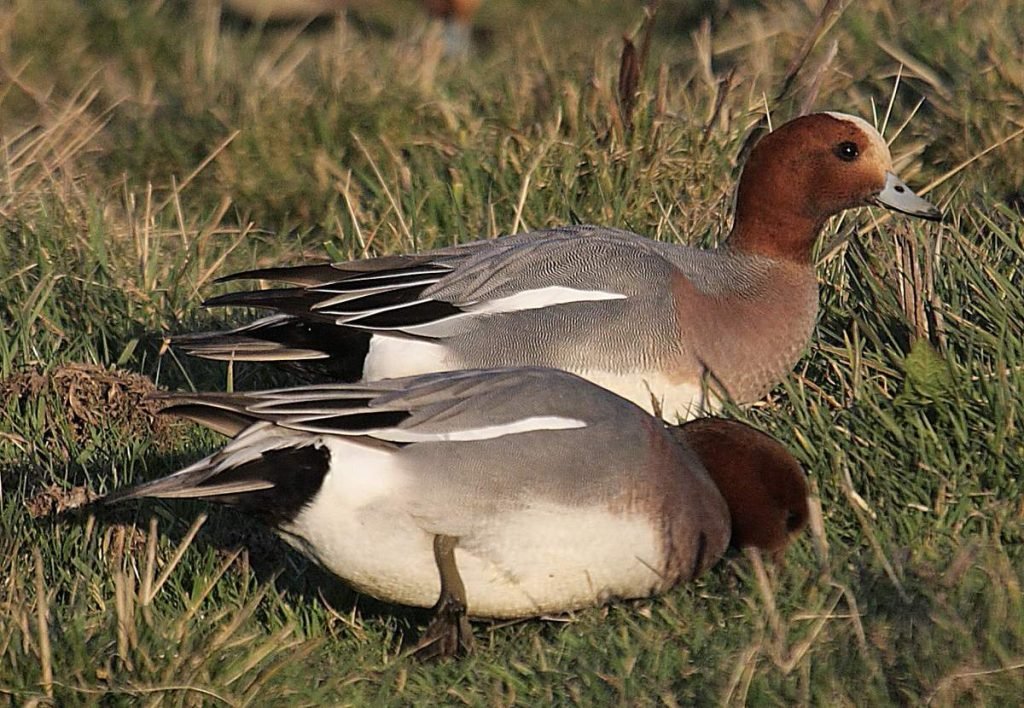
column 394, row 357
column 487, row 432
column 357, row 476
column 359, row 527
column 539, row 298
column 683, row 401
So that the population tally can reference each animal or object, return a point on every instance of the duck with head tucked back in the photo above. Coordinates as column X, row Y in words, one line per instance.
column 491, row 493
column 668, row 326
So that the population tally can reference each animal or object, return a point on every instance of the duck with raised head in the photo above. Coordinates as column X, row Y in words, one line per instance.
column 667, row 326
column 495, row 493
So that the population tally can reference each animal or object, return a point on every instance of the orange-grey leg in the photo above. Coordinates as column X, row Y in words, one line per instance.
column 448, row 632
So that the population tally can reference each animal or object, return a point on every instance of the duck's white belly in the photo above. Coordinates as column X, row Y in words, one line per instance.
column 554, row 559
column 516, row 564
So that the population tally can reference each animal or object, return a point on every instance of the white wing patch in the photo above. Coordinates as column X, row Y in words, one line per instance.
column 487, row 432
column 539, row 298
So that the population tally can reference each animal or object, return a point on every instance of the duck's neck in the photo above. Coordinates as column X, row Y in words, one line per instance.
column 777, row 212
column 773, row 233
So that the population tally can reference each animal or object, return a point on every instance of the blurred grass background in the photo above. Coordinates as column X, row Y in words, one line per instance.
column 151, row 146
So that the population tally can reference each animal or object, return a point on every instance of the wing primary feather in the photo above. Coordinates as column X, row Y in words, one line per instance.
column 395, row 297
column 418, row 313
column 308, row 274
column 319, row 347
column 352, row 423
column 380, row 281
column 309, row 404
column 289, row 300
column 314, row 275
column 225, row 422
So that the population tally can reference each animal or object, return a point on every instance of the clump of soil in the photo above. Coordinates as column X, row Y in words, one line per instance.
column 53, row 499
column 78, row 399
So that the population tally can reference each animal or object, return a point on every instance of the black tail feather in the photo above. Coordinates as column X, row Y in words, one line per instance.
column 283, row 482
column 344, row 349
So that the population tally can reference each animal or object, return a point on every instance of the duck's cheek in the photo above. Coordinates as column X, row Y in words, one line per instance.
column 866, row 183
column 857, row 193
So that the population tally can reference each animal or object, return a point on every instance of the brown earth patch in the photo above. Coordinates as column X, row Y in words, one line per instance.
column 53, row 499
column 85, row 397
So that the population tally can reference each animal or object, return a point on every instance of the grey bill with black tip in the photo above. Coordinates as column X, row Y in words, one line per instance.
column 898, row 196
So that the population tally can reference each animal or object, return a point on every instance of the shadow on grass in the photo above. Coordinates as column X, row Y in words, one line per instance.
column 265, row 555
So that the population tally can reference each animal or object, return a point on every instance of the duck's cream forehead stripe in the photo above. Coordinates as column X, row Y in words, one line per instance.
column 873, row 136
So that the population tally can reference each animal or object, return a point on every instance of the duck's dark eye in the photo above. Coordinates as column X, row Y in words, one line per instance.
column 794, row 521
column 848, row 151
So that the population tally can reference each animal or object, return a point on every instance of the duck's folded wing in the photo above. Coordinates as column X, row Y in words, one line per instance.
column 450, row 431
column 449, row 406
column 435, row 295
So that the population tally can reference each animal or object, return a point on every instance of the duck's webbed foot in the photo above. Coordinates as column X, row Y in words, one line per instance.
column 449, row 633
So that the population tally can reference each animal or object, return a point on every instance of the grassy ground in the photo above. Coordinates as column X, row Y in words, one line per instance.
column 147, row 149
